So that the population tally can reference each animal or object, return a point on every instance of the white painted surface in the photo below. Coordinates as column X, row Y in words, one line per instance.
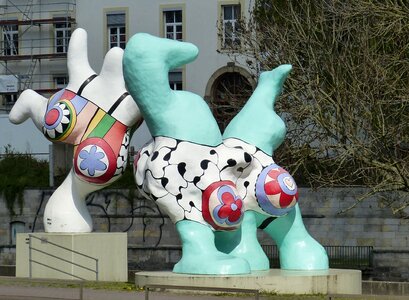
column 25, row 138
column 66, row 210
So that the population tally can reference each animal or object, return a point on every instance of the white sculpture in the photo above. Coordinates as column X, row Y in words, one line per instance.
column 95, row 114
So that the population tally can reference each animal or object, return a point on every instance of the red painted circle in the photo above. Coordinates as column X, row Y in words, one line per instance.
column 226, row 211
column 108, row 175
column 52, row 116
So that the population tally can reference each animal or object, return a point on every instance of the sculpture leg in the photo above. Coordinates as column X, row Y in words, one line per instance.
column 243, row 243
column 66, row 210
column 298, row 250
column 199, row 253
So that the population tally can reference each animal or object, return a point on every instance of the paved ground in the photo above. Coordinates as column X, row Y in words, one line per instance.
column 50, row 293
column 22, row 291
column 12, row 288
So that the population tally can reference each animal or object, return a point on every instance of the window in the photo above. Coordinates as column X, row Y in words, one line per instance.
column 173, row 28
column 175, row 80
column 230, row 26
column 60, row 81
column 10, row 99
column 116, row 30
column 62, row 36
column 10, row 39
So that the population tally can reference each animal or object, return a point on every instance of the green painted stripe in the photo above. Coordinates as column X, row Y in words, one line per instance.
column 102, row 128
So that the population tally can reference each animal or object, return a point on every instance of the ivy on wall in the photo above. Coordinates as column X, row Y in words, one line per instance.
column 17, row 172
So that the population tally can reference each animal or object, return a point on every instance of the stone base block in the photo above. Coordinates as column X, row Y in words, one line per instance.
column 332, row 281
column 89, row 256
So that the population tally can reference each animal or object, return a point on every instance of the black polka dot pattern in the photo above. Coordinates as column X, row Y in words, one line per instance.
column 175, row 173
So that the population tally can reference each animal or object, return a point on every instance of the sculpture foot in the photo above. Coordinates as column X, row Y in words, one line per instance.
column 200, row 255
column 243, row 243
column 298, row 250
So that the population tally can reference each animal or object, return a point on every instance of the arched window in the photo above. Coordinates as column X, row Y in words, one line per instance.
column 230, row 91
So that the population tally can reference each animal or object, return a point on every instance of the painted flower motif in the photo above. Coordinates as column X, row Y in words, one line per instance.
column 91, row 161
column 222, row 207
column 279, row 181
column 57, row 120
column 95, row 161
column 276, row 190
column 230, row 211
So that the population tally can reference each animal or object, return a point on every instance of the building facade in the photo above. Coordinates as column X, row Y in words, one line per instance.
column 35, row 34
column 34, row 43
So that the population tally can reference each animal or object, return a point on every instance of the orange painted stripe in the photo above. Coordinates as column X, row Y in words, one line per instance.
column 115, row 135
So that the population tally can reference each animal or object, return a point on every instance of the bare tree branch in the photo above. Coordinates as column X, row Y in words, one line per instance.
column 346, row 103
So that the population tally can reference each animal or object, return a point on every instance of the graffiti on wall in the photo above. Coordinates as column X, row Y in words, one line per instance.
column 117, row 211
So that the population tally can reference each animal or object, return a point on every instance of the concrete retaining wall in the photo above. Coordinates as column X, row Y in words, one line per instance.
column 154, row 243
column 385, row 288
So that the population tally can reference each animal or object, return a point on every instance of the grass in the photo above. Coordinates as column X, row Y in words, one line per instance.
column 54, row 283
column 269, row 296
column 129, row 287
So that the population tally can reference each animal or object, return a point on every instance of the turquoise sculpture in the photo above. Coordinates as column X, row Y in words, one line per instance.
column 217, row 188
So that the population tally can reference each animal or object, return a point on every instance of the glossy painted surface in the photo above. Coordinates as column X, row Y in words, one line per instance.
column 209, row 184
column 200, row 255
column 95, row 114
column 177, row 114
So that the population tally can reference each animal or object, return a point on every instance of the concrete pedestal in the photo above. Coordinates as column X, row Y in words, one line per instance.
column 333, row 281
column 89, row 256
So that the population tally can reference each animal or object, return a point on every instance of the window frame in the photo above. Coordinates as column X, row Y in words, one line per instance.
column 117, row 34
column 57, row 85
column 10, row 47
column 174, row 24
column 10, row 99
column 108, row 44
column 66, row 31
column 163, row 9
column 174, row 83
column 234, row 21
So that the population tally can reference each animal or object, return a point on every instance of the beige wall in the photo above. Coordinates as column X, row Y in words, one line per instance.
column 109, row 249
column 144, row 16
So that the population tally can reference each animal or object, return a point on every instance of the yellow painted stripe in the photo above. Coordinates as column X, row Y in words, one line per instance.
column 95, row 121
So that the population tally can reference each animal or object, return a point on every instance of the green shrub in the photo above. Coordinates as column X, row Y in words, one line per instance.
column 17, row 172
